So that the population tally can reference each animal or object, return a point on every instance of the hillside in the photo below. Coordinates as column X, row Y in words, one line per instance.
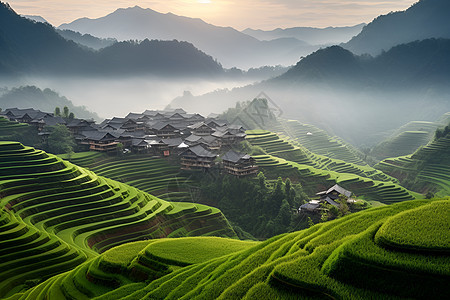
column 56, row 215
column 360, row 256
column 423, row 20
column 427, row 170
column 348, row 94
column 408, row 138
column 229, row 46
column 22, row 51
column 315, row 172
column 414, row 65
column 86, row 39
column 44, row 100
column 149, row 174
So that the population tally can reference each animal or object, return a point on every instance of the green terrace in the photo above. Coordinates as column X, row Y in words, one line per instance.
column 319, row 142
column 404, row 143
column 9, row 129
column 52, row 210
column 313, row 180
column 391, row 252
column 429, row 167
column 148, row 173
column 316, row 172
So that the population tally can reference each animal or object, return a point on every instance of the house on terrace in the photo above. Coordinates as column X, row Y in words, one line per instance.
column 239, row 164
column 99, row 141
column 330, row 196
column 197, row 158
column 200, row 129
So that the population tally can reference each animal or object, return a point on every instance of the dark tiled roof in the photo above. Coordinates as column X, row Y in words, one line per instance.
column 134, row 116
column 193, row 138
column 309, row 206
column 198, row 125
column 97, row 135
column 52, row 121
column 138, row 142
column 234, row 156
column 173, row 142
column 160, row 125
column 336, row 188
column 200, row 151
column 340, row 190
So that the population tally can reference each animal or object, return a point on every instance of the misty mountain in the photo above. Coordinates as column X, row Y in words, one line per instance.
column 414, row 65
column 32, row 48
column 355, row 97
column 86, row 39
column 229, row 46
column 425, row 19
column 45, row 100
column 310, row 35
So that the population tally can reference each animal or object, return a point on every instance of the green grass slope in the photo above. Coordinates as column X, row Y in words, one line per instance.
column 427, row 170
column 14, row 131
column 320, row 142
column 317, row 172
column 150, row 174
column 406, row 139
column 57, row 211
column 359, row 256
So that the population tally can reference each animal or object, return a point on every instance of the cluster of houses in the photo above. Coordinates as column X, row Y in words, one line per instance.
column 330, row 196
column 194, row 138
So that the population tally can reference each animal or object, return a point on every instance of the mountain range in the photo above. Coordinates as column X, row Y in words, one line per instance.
column 29, row 47
column 229, row 46
column 310, row 35
column 425, row 19
column 353, row 96
column 412, row 65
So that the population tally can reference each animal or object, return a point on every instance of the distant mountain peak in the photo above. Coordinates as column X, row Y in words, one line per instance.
column 423, row 20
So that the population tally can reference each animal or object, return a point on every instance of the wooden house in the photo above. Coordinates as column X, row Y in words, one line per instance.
column 99, row 141
column 197, row 158
column 201, row 129
column 164, row 130
column 239, row 164
column 329, row 196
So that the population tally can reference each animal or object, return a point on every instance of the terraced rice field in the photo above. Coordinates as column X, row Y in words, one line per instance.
column 313, row 180
column 406, row 140
column 317, row 172
column 430, row 165
column 319, row 142
column 55, row 215
column 150, row 174
column 355, row 257
column 10, row 129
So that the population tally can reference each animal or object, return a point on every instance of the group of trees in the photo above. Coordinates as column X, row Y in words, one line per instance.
column 256, row 205
column 442, row 132
column 67, row 115
column 60, row 140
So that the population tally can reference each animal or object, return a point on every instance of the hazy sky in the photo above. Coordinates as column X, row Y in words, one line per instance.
column 240, row 14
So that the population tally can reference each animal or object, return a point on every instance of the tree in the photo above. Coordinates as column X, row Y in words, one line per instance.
column 65, row 112
column 60, row 140
column 57, row 112
column 71, row 116
column 262, row 180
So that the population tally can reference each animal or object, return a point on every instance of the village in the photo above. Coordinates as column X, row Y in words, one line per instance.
column 197, row 141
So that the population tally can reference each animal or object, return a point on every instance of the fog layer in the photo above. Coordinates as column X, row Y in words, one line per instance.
column 110, row 97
